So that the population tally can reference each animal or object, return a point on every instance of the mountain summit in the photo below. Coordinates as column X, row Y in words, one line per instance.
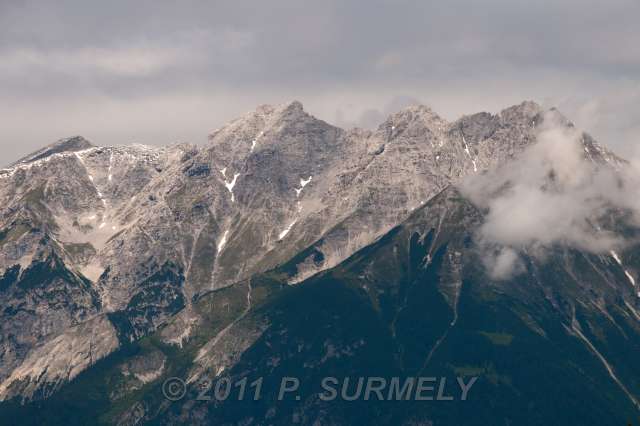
column 72, row 144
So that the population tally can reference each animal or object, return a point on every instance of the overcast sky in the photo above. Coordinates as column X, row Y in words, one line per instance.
column 160, row 72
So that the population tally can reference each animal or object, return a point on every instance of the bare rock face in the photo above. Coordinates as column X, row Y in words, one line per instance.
column 40, row 301
column 116, row 240
column 60, row 359
column 410, row 158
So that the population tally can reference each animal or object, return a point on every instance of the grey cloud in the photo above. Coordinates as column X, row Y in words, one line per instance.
column 371, row 118
column 323, row 42
column 354, row 56
column 611, row 115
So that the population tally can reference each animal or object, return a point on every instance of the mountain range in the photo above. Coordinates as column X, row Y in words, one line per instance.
column 288, row 247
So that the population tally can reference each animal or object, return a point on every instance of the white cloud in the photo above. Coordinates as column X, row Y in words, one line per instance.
column 503, row 263
column 137, row 58
column 552, row 194
column 124, row 61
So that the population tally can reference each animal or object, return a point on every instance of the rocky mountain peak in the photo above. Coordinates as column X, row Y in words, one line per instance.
column 290, row 119
column 526, row 110
column 293, row 107
column 70, row 144
column 415, row 117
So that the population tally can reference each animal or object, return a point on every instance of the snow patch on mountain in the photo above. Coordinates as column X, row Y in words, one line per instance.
column 286, row 230
column 303, row 183
column 231, row 184
column 223, row 241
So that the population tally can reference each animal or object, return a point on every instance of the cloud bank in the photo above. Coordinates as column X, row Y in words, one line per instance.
column 560, row 191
